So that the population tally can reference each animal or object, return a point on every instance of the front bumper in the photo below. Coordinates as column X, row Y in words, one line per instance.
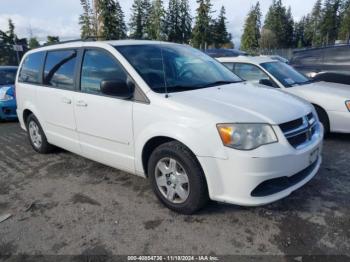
column 8, row 110
column 251, row 178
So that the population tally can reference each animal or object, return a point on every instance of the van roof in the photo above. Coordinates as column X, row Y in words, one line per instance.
column 80, row 43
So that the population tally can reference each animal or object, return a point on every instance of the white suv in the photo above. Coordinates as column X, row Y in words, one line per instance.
column 172, row 114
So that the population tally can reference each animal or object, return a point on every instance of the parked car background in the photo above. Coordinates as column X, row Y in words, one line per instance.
column 331, row 100
column 223, row 52
column 331, row 64
column 7, row 93
column 279, row 58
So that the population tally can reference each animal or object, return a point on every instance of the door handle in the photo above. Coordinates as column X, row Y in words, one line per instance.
column 66, row 100
column 81, row 104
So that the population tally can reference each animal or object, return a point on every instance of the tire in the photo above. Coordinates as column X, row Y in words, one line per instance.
column 194, row 193
column 36, row 133
column 323, row 117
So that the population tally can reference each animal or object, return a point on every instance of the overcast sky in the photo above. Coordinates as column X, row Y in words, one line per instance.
column 60, row 17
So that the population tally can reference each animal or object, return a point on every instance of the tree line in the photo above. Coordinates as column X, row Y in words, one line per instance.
column 151, row 20
column 9, row 39
column 328, row 22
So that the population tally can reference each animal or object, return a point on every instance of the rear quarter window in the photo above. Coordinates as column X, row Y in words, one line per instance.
column 31, row 68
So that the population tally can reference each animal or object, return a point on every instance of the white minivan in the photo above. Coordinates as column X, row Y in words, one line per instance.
column 172, row 114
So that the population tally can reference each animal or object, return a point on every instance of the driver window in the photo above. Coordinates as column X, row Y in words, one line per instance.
column 98, row 66
column 249, row 72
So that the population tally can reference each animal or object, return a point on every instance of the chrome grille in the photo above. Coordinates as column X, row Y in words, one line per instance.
column 300, row 132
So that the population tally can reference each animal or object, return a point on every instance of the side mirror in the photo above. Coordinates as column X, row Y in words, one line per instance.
column 266, row 82
column 117, row 88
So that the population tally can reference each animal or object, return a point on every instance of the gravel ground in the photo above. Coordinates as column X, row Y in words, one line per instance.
column 65, row 204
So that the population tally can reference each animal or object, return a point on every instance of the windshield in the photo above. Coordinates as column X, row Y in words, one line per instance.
column 7, row 76
column 286, row 74
column 176, row 67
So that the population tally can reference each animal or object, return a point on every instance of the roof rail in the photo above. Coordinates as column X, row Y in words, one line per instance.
column 64, row 42
column 85, row 39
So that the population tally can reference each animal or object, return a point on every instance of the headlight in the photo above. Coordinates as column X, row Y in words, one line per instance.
column 5, row 98
column 312, row 74
column 347, row 103
column 246, row 136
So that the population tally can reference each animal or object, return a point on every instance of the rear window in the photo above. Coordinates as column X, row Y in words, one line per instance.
column 30, row 71
column 59, row 69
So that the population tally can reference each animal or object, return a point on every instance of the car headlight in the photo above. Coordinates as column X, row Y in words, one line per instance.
column 312, row 74
column 246, row 136
column 347, row 103
column 6, row 97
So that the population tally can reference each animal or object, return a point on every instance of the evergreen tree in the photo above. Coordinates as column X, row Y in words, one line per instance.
column 85, row 20
column 11, row 31
column 288, row 28
column 52, row 39
column 279, row 20
column 121, row 25
column 7, row 40
column 136, row 21
column 186, row 21
column 140, row 17
column 309, row 32
column 201, row 35
column 251, row 31
column 33, row 43
column 105, row 20
column 173, row 22
column 111, row 20
column 302, row 33
column 147, row 8
column 155, row 27
column 315, row 22
column 268, row 39
column 219, row 30
column 344, row 32
column 330, row 21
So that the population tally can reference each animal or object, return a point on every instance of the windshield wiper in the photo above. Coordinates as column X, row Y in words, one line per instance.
column 220, row 83
column 307, row 82
column 178, row 88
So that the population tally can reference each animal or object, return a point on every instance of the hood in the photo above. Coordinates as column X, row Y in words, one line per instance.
column 327, row 88
column 244, row 103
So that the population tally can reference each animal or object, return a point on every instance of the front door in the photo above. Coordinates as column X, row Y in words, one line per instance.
column 104, row 123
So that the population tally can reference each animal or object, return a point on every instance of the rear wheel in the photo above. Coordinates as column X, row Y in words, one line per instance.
column 177, row 178
column 37, row 136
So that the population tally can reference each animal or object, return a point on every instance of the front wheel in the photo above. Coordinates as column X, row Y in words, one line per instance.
column 177, row 178
column 323, row 117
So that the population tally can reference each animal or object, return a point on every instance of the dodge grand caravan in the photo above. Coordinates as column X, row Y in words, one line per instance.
column 172, row 114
